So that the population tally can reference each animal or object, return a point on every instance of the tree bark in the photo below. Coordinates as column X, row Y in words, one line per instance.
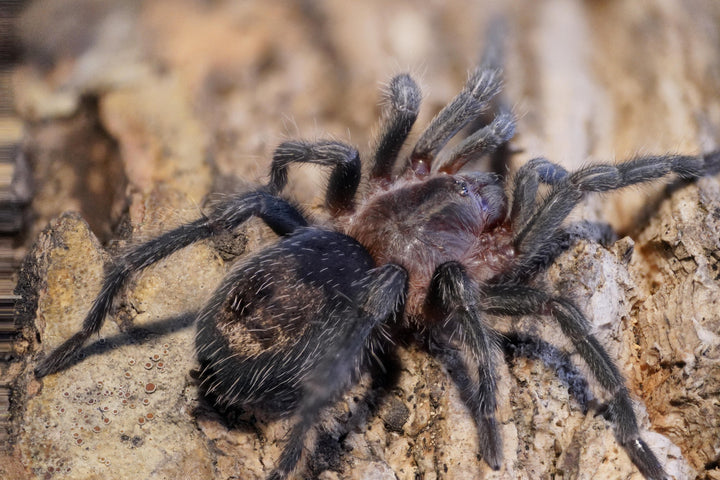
column 136, row 112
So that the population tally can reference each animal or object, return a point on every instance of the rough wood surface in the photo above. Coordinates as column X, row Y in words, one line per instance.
column 136, row 112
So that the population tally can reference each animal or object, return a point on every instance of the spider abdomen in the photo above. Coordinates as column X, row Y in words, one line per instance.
column 267, row 325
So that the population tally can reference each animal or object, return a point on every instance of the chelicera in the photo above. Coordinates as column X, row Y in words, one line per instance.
column 422, row 246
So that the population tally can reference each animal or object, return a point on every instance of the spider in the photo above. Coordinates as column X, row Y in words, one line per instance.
column 425, row 247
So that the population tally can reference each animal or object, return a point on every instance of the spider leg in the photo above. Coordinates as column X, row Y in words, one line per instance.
column 515, row 345
column 481, row 87
column 383, row 296
column 345, row 176
column 489, row 138
column 516, row 300
column 477, row 96
column 277, row 213
column 483, row 142
column 402, row 102
column 470, row 351
column 525, row 188
column 568, row 190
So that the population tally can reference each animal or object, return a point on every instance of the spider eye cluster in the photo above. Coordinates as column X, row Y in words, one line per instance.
column 462, row 188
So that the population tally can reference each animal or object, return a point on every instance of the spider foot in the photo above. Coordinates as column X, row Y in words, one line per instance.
column 277, row 475
column 620, row 410
column 490, row 442
column 644, row 459
column 61, row 357
column 291, row 455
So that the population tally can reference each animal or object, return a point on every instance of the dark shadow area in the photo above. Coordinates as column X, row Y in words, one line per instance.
column 371, row 401
column 521, row 345
column 136, row 335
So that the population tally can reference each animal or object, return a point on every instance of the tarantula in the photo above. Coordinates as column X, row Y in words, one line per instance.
column 425, row 248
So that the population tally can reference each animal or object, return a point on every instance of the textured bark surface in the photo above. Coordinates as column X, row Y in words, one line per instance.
column 137, row 112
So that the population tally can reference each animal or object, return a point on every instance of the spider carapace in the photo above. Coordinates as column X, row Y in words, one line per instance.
column 417, row 243
column 424, row 223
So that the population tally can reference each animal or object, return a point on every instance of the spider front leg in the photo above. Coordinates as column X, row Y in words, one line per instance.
column 481, row 88
column 277, row 213
column 344, row 159
column 402, row 102
column 538, row 226
column 484, row 141
column 383, row 295
column 525, row 187
column 469, row 349
column 516, row 300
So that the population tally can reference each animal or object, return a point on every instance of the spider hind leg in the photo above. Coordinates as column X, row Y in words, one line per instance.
column 381, row 297
column 517, row 300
